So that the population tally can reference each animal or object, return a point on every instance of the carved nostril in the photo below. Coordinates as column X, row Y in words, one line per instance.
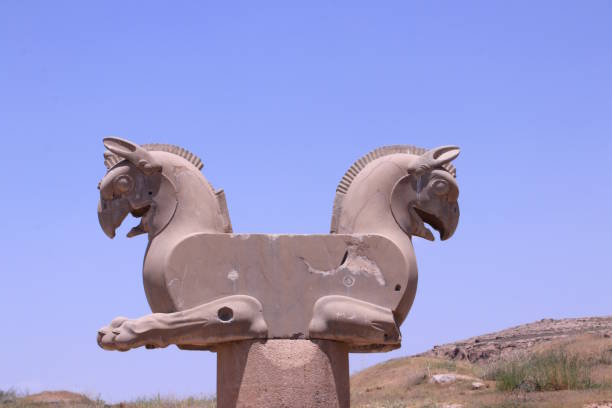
column 398, row 287
column 225, row 314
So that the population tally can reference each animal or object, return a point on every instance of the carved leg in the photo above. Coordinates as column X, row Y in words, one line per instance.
column 227, row 319
column 363, row 326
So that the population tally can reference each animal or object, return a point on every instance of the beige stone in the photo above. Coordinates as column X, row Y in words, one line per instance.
column 478, row 385
column 207, row 285
column 449, row 378
column 282, row 373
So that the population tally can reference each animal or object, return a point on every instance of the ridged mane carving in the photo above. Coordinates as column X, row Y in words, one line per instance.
column 111, row 159
column 352, row 172
column 362, row 162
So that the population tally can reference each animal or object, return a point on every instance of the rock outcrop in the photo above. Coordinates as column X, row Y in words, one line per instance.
column 493, row 346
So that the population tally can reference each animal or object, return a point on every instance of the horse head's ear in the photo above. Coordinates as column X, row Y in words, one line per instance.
column 132, row 152
column 120, row 147
column 435, row 157
column 440, row 155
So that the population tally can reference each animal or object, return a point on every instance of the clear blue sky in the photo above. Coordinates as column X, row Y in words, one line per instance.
column 279, row 100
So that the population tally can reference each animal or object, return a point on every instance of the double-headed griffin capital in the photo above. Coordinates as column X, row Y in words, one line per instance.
column 207, row 285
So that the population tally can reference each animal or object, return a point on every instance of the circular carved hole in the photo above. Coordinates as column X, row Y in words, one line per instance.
column 225, row 314
column 398, row 287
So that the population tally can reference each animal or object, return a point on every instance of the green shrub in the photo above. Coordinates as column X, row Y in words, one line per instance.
column 550, row 371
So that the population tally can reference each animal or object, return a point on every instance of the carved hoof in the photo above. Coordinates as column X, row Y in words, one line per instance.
column 230, row 318
column 107, row 334
column 363, row 326
column 124, row 334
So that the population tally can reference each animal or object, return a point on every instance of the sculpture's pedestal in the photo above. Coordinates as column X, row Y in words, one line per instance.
column 283, row 373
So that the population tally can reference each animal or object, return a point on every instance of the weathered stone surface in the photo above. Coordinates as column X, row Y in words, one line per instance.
column 231, row 318
column 355, row 285
column 288, row 274
column 394, row 191
column 282, row 373
column 281, row 311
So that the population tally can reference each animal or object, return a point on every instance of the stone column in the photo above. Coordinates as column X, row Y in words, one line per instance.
column 283, row 373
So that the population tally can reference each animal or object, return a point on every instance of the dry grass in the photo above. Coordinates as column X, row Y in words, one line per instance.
column 143, row 402
column 554, row 370
column 171, row 403
column 578, row 364
column 568, row 373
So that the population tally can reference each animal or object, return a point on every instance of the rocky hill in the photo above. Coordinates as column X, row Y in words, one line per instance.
column 550, row 363
column 503, row 344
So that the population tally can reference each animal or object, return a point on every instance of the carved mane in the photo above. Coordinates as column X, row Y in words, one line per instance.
column 111, row 159
column 361, row 163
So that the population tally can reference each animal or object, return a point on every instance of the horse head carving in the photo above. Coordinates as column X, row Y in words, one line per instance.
column 143, row 180
column 418, row 186
column 428, row 194
column 207, row 285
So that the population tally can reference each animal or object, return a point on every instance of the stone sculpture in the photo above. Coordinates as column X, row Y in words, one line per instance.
column 208, row 287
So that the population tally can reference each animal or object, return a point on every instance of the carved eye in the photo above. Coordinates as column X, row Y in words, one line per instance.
column 440, row 186
column 123, row 184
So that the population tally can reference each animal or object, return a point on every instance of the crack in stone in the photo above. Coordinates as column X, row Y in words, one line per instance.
column 356, row 263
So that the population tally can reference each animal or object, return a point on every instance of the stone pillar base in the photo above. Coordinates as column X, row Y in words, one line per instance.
column 283, row 373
